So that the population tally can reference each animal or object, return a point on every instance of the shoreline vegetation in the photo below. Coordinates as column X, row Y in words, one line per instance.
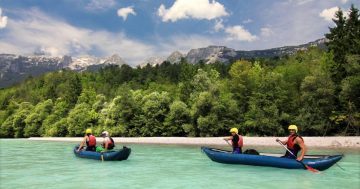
column 315, row 142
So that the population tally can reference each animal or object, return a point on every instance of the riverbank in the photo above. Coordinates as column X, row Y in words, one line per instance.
column 322, row 142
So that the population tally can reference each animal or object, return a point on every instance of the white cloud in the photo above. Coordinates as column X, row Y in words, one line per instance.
column 124, row 12
column 329, row 14
column 300, row 2
column 184, row 9
column 36, row 30
column 247, row 21
column 3, row 20
column 98, row 5
column 344, row 1
column 218, row 25
column 239, row 33
column 266, row 32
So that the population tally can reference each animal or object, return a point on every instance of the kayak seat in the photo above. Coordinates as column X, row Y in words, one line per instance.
column 251, row 152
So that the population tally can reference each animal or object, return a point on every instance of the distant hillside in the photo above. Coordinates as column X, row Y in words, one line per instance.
column 212, row 54
column 16, row 68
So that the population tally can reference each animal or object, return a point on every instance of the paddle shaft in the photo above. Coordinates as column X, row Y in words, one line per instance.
column 306, row 166
column 286, row 148
column 228, row 142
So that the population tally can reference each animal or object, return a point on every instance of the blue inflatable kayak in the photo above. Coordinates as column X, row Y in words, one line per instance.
column 117, row 155
column 319, row 162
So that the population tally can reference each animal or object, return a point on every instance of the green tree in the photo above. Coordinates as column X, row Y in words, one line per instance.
column 155, row 108
column 111, row 119
column 88, row 96
column 265, row 106
column 177, row 118
column 210, row 111
column 35, row 119
column 344, row 40
column 16, row 122
column 317, row 99
column 241, row 83
column 352, row 27
column 51, row 124
column 337, row 45
column 80, row 118
column 349, row 96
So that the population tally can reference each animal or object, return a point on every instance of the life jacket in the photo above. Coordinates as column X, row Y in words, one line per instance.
column 111, row 143
column 91, row 142
column 240, row 142
column 292, row 146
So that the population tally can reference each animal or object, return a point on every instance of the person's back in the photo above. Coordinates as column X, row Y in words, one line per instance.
column 90, row 141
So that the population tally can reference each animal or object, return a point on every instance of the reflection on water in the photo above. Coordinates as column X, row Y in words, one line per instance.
column 35, row 164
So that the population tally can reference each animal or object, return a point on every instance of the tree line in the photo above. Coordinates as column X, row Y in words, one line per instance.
column 315, row 89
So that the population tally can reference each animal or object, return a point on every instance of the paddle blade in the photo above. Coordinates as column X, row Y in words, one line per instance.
column 311, row 169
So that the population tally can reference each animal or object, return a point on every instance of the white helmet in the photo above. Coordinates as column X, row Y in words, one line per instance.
column 105, row 133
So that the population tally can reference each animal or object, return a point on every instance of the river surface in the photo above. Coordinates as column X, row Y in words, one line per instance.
column 39, row 164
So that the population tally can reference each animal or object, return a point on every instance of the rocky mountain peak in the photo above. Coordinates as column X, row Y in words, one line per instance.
column 115, row 59
column 175, row 57
column 80, row 63
column 210, row 54
column 153, row 61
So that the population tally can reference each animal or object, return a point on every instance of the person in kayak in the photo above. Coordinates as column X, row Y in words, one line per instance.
column 108, row 143
column 236, row 140
column 294, row 143
column 90, row 141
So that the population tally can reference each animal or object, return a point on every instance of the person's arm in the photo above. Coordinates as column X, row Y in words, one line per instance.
column 82, row 143
column 228, row 138
column 303, row 148
column 282, row 142
column 106, row 145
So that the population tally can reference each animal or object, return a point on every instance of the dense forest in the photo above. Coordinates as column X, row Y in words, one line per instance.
column 315, row 89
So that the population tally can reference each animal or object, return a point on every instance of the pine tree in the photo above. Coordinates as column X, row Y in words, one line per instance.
column 352, row 27
column 337, row 44
column 344, row 41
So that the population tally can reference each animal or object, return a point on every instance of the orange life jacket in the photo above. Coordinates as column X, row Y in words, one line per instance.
column 111, row 144
column 292, row 146
column 92, row 141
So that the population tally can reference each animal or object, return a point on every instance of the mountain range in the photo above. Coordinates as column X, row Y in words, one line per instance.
column 16, row 68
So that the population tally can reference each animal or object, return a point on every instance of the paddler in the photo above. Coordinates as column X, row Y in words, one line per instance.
column 236, row 140
column 294, row 143
column 90, row 141
column 108, row 142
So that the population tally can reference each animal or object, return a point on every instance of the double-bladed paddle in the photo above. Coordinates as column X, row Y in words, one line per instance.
column 227, row 142
column 305, row 166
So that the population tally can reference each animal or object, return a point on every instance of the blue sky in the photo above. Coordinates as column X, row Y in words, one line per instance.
column 140, row 29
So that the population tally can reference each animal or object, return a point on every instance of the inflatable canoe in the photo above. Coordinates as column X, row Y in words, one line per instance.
column 117, row 155
column 319, row 162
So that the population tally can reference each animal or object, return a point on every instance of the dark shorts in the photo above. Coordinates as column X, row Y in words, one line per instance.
column 288, row 156
column 90, row 148
column 237, row 150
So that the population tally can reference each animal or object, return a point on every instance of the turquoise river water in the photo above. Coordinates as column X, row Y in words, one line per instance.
column 38, row 164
